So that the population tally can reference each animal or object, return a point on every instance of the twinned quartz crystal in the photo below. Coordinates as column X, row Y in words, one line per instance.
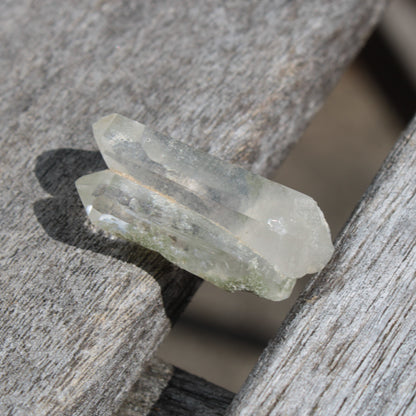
column 237, row 230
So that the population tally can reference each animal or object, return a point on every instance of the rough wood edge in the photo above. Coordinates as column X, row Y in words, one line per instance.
column 164, row 390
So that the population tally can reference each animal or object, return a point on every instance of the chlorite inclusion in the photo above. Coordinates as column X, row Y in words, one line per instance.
column 235, row 229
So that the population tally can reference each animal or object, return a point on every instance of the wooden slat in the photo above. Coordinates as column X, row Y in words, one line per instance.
column 80, row 313
column 164, row 390
column 349, row 345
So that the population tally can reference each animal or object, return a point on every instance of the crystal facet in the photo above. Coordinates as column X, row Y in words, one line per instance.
column 235, row 229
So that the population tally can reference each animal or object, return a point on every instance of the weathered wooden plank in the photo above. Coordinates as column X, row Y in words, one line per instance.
column 164, row 390
column 81, row 313
column 349, row 345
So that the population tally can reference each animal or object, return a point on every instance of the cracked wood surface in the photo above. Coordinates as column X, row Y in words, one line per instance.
column 80, row 313
column 349, row 345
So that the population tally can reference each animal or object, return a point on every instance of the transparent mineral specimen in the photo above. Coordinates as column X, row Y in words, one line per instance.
column 235, row 229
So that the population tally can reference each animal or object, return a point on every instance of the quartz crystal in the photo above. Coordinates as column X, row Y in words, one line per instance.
column 237, row 230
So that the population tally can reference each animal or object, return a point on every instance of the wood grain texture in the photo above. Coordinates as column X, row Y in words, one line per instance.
column 80, row 312
column 164, row 390
column 349, row 345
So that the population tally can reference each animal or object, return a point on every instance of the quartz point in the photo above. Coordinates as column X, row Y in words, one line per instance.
column 233, row 228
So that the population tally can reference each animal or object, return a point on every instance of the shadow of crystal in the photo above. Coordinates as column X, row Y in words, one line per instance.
column 63, row 218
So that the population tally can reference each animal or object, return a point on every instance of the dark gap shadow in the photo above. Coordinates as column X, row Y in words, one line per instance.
column 63, row 218
column 386, row 68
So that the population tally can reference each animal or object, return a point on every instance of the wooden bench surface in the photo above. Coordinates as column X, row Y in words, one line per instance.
column 163, row 390
column 81, row 314
column 349, row 345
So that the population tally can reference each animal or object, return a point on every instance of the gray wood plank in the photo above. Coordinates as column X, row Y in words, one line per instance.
column 349, row 345
column 80, row 313
column 164, row 390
